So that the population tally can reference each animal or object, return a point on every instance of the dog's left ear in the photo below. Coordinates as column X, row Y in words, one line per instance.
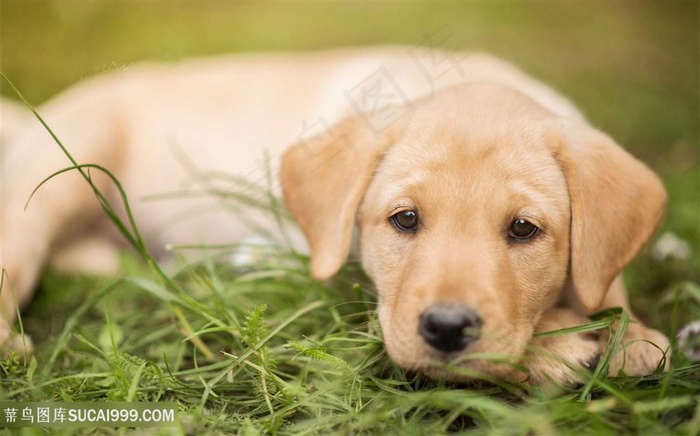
column 616, row 204
column 324, row 179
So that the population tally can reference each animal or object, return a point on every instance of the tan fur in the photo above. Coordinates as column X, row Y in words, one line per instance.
column 617, row 203
column 470, row 150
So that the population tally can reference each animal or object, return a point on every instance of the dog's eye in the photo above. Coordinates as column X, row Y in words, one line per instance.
column 521, row 230
column 405, row 221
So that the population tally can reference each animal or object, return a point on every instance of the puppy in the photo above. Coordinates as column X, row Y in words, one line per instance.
column 488, row 209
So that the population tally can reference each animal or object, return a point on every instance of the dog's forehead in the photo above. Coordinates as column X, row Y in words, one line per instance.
column 503, row 167
column 477, row 145
column 458, row 152
column 476, row 126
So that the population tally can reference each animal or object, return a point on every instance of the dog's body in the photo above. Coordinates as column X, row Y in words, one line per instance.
column 469, row 154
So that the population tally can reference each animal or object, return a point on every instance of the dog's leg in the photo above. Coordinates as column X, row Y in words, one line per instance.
column 561, row 358
column 13, row 117
column 643, row 348
column 64, row 205
column 94, row 255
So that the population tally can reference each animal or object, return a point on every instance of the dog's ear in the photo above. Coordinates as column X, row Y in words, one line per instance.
column 616, row 205
column 323, row 181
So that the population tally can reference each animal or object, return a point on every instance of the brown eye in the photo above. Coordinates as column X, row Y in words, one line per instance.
column 521, row 230
column 406, row 221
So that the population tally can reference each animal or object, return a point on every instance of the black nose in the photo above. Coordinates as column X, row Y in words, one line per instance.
column 449, row 327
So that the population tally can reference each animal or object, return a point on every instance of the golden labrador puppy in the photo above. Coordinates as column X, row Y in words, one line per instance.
column 488, row 209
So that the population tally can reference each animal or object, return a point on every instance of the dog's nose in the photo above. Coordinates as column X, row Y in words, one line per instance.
column 449, row 327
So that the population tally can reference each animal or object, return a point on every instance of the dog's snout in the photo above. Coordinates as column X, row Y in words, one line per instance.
column 449, row 327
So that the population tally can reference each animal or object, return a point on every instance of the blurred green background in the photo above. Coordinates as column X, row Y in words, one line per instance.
column 631, row 66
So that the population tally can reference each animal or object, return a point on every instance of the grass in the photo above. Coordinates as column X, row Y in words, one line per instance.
column 262, row 348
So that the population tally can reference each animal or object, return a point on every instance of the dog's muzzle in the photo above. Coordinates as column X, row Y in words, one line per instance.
column 449, row 327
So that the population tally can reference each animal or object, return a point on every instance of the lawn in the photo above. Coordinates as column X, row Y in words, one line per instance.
column 263, row 348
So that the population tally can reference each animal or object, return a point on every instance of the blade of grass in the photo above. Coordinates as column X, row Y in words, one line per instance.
column 308, row 308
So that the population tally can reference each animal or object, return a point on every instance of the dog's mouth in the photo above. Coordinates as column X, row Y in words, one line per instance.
column 452, row 342
column 480, row 357
column 470, row 365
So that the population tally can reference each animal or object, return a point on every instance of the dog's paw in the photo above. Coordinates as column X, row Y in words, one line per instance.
column 13, row 341
column 642, row 352
column 562, row 359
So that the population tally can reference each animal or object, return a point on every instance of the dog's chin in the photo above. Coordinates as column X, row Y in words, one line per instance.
column 473, row 373
column 464, row 369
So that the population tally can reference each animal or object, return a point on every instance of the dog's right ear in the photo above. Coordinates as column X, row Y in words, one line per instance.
column 323, row 181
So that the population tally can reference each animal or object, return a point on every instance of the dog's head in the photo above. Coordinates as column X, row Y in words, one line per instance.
column 476, row 211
